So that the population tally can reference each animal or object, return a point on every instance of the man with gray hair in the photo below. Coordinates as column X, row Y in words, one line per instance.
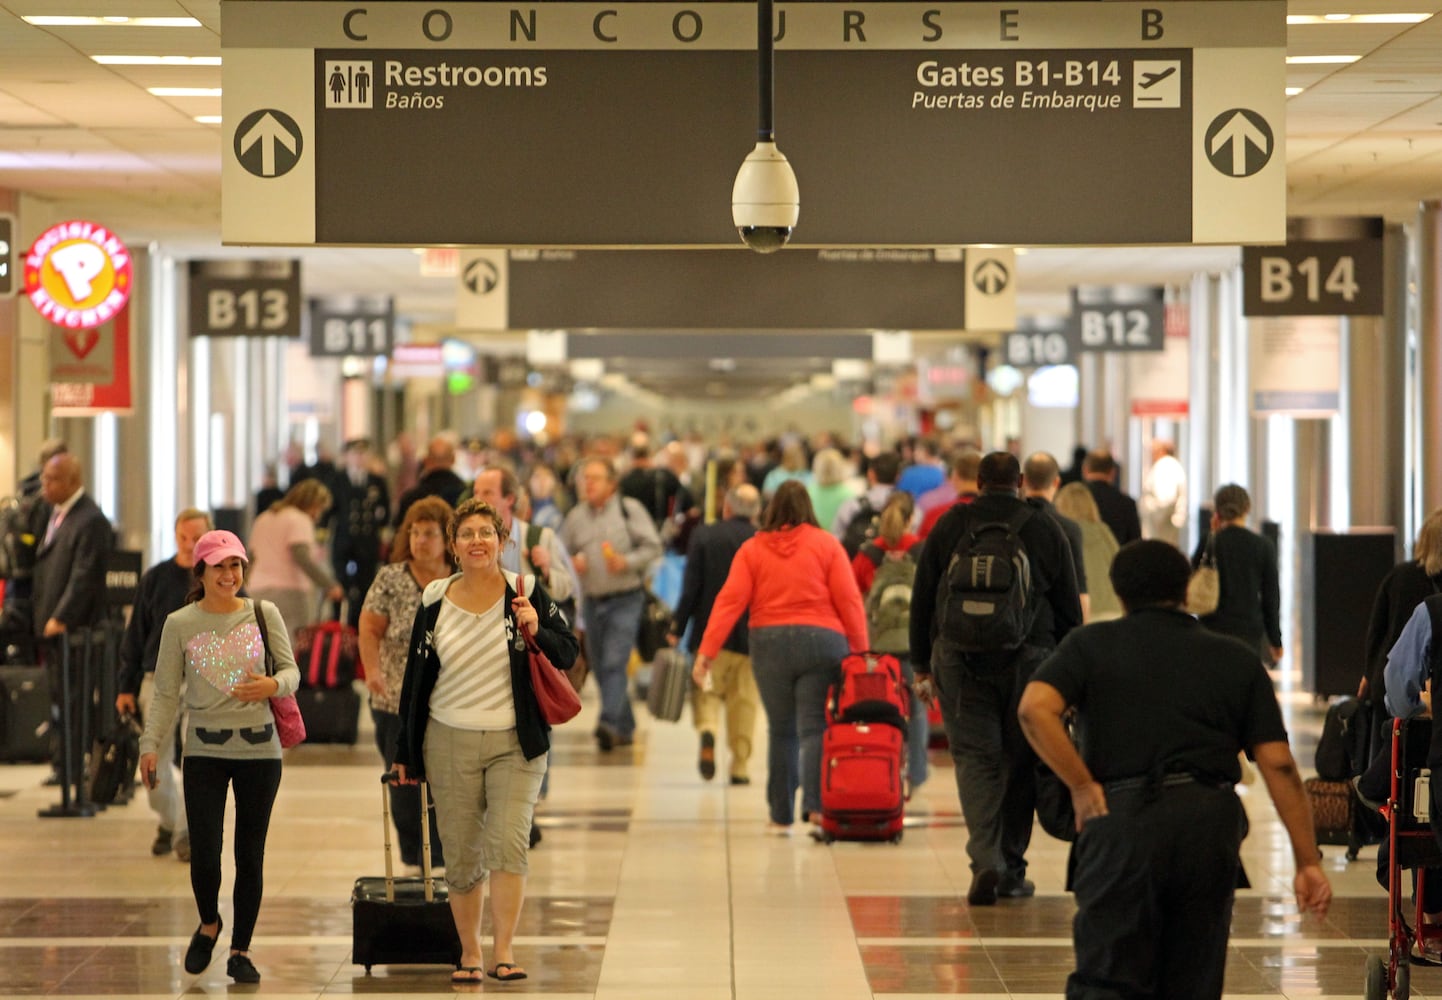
column 708, row 561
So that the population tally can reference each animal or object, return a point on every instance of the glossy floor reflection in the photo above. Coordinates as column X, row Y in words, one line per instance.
column 649, row 883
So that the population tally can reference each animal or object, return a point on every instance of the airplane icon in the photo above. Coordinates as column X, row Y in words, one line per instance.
column 1152, row 79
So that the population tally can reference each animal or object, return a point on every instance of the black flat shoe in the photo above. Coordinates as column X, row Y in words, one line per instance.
column 242, row 969
column 197, row 956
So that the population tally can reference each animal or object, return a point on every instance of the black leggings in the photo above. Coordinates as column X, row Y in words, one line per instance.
column 206, row 782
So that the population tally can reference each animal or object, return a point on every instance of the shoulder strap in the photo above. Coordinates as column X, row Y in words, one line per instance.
column 264, row 638
column 533, row 536
column 873, row 552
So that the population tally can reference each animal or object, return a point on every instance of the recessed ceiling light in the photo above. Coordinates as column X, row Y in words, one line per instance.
column 208, row 119
column 185, row 91
column 75, row 21
column 157, row 60
column 1357, row 18
column 1294, row 91
column 1320, row 60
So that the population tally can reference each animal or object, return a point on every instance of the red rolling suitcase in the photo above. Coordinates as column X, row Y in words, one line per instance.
column 403, row 921
column 328, row 654
column 863, row 782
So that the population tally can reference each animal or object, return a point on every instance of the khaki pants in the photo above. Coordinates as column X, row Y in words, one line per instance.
column 733, row 683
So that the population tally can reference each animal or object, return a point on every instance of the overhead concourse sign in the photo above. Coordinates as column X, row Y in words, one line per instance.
column 622, row 124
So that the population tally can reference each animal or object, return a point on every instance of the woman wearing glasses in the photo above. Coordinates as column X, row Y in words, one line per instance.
column 470, row 725
column 418, row 557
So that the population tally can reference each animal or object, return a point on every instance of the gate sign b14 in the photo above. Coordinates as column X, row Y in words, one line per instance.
column 1314, row 278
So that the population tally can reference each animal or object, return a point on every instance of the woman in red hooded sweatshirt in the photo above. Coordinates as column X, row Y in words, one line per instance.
column 806, row 615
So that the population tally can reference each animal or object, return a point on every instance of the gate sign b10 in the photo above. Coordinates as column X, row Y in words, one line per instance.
column 1313, row 278
column 1036, row 348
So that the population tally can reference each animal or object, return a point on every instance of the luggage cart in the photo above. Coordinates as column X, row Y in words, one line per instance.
column 1414, row 846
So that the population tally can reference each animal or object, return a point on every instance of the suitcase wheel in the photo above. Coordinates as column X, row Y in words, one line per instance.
column 896, row 837
column 368, row 970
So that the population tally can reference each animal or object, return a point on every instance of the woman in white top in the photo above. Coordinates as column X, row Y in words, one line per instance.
column 287, row 565
column 471, row 726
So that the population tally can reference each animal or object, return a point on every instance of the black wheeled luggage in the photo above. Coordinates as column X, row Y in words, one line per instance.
column 403, row 921
column 331, row 716
column 670, row 684
column 24, row 714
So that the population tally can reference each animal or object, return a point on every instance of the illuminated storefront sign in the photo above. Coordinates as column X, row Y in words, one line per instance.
column 78, row 275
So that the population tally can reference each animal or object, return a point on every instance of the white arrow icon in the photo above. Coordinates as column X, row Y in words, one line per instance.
column 267, row 132
column 1239, row 131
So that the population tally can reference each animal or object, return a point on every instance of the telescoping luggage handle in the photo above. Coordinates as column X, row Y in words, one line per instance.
column 387, row 780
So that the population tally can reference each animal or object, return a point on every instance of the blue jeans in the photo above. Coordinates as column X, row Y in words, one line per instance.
column 794, row 665
column 611, row 626
column 918, row 730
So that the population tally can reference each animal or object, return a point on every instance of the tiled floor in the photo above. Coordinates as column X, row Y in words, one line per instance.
column 649, row 884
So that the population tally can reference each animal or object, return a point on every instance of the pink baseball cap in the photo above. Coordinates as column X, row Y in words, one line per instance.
column 215, row 547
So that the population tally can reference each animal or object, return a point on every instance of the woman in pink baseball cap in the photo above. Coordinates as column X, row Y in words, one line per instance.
column 216, row 646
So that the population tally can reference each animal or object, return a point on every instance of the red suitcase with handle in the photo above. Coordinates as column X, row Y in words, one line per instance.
column 863, row 782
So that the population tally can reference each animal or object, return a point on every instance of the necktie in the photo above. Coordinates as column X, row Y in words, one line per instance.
column 55, row 520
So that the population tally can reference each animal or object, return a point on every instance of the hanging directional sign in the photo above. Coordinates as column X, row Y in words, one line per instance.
column 1118, row 319
column 7, row 255
column 491, row 124
column 245, row 298
column 798, row 289
column 352, row 325
column 1337, row 272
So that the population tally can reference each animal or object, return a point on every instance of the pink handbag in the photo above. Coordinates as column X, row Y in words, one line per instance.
column 289, row 725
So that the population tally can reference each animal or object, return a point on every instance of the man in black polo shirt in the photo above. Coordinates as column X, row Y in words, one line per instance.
column 1163, row 708
column 978, row 692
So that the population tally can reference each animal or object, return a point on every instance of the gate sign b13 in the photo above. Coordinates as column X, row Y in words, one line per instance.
column 501, row 124
column 245, row 298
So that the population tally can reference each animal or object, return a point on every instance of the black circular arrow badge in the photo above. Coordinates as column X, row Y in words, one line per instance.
column 268, row 143
column 1239, row 142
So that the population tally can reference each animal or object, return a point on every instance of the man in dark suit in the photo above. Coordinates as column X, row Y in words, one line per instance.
column 362, row 508
column 69, row 580
column 1118, row 511
column 708, row 561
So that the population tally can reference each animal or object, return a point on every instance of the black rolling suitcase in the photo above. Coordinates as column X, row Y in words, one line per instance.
column 331, row 716
column 403, row 921
column 24, row 714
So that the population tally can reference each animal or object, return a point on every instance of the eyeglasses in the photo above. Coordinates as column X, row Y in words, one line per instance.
column 429, row 535
column 475, row 534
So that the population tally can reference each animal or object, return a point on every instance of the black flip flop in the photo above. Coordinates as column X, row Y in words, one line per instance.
column 513, row 972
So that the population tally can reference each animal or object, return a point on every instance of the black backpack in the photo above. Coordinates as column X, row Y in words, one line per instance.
column 861, row 528
column 987, row 602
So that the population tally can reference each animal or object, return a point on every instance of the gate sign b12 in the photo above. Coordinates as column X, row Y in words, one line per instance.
column 1102, row 322
column 501, row 124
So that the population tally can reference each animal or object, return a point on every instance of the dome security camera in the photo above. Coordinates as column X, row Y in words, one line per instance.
column 765, row 201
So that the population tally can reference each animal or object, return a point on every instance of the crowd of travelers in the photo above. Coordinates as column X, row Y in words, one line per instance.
column 771, row 563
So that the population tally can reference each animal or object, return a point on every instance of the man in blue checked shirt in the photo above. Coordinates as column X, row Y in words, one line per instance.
column 1410, row 666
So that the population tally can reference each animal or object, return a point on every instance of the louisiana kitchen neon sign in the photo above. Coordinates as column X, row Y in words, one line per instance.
column 78, row 275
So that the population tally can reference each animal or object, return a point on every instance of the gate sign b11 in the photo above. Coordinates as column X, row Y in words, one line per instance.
column 342, row 326
column 509, row 124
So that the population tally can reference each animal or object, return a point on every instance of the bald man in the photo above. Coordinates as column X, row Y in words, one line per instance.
column 438, row 478
column 70, row 564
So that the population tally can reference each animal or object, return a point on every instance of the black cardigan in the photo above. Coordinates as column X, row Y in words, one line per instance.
column 423, row 667
column 1403, row 588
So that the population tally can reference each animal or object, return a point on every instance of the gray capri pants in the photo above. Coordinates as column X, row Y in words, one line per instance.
column 485, row 792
